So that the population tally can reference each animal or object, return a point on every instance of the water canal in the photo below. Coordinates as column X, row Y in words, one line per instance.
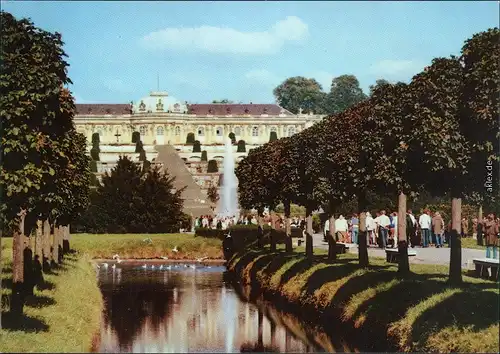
column 187, row 308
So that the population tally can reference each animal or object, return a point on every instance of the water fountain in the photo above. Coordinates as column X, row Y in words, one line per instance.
column 228, row 201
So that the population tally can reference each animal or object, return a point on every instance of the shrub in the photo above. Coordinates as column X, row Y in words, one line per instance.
column 94, row 153
column 190, row 139
column 316, row 221
column 212, row 167
column 136, row 136
column 93, row 166
column 204, row 156
column 138, row 146
column 273, row 136
column 232, row 137
column 196, row 146
column 241, row 146
column 96, row 139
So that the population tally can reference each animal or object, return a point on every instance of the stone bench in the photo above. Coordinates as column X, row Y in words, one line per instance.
column 392, row 254
column 484, row 264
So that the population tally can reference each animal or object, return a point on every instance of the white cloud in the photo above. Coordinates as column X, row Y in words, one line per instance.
column 396, row 69
column 117, row 85
column 262, row 76
column 228, row 40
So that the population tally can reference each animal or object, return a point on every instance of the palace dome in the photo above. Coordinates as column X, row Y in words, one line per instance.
column 159, row 102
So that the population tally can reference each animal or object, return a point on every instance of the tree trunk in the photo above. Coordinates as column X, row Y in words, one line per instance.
column 38, row 240
column 60, row 237
column 288, row 230
column 455, row 246
column 404, row 265
column 47, row 256
column 29, row 276
column 273, row 237
column 332, row 242
column 480, row 227
column 17, row 299
column 1, row 265
column 260, row 330
column 363, row 247
column 54, row 244
column 309, row 233
column 66, row 239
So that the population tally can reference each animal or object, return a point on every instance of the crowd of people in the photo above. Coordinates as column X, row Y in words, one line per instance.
column 425, row 230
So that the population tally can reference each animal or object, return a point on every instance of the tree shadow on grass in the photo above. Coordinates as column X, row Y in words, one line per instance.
column 473, row 309
column 39, row 301
column 23, row 323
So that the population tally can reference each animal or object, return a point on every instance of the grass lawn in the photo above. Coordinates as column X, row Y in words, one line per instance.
column 419, row 313
column 63, row 316
column 469, row 242
column 133, row 246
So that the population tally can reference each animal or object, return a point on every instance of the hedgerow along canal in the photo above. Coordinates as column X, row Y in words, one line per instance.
column 190, row 308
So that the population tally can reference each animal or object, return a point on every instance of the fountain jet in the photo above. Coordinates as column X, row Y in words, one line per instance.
column 228, row 202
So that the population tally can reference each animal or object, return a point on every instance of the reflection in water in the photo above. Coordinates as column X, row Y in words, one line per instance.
column 187, row 310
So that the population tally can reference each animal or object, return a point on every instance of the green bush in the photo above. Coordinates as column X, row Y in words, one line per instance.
column 197, row 146
column 273, row 136
column 136, row 136
column 96, row 139
column 241, row 146
column 243, row 235
column 232, row 137
column 138, row 146
column 316, row 223
column 212, row 167
column 204, row 156
column 94, row 153
column 93, row 166
column 190, row 139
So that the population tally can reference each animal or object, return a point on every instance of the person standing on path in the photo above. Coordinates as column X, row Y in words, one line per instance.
column 425, row 225
column 411, row 229
column 370, row 228
column 384, row 223
column 438, row 228
column 354, row 228
column 465, row 227
column 326, row 230
column 491, row 230
column 341, row 229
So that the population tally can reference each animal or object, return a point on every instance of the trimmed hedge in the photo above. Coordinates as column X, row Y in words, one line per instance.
column 96, row 139
column 241, row 146
column 196, row 146
column 136, row 136
column 273, row 136
column 190, row 139
column 204, row 156
column 243, row 235
column 232, row 137
column 212, row 166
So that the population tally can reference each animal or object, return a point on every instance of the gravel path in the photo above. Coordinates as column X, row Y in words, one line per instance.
column 424, row 255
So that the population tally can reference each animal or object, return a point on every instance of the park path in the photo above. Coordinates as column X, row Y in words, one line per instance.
column 429, row 255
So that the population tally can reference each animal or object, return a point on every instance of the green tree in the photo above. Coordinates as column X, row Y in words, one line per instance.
column 378, row 83
column 204, row 155
column 297, row 93
column 345, row 92
column 190, row 139
column 213, row 194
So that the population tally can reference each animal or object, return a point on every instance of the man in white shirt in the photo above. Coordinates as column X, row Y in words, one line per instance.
column 370, row 228
column 384, row 223
column 326, row 230
column 341, row 228
column 425, row 223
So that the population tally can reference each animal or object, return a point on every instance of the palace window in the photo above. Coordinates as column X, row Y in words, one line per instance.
column 237, row 131
column 291, row 131
column 142, row 130
column 159, row 131
column 219, row 131
column 255, row 131
column 177, row 130
column 201, row 131
column 273, row 129
column 99, row 131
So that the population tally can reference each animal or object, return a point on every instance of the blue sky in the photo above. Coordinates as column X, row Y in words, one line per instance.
column 242, row 50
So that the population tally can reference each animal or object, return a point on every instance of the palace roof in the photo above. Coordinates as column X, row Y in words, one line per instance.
column 102, row 108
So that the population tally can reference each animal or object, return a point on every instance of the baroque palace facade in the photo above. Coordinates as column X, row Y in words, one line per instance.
column 163, row 120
